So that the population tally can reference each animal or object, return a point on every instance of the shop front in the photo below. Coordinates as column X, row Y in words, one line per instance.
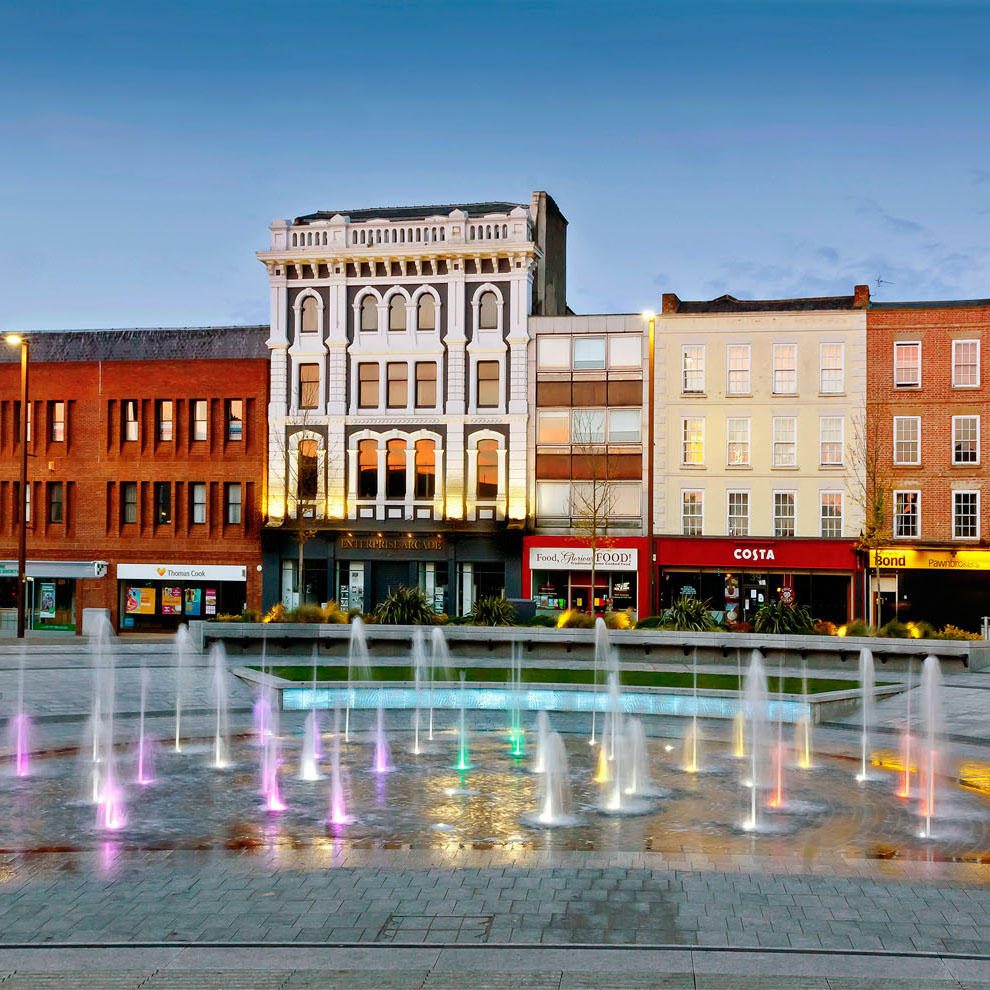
column 738, row 577
column 557, row 575
column 159, row 597
column 936, row 585
column 52, row 592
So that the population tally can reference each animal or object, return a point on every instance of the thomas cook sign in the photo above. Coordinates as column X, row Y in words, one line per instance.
column 901, row 558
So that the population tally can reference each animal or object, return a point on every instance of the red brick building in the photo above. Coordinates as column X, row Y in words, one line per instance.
column 928, row 386
column 146, row 475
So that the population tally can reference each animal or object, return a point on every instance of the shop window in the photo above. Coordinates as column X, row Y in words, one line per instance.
column 553, row 352
column 624, row 425
column 832, row 370
column 369, row 313
column 488, row 311
column 692, row 513
column 56, row 419
column 488, row 390
column 165, row 416
column 692, row 442
column 907, row 439
column 784, row 369
column 395, row 469
column 553, row 498
column 737, row 435
column 397, row 312
column 906, row 514
column 309, row 386
column 784, row 441
column 368, row 469
column 55, row 503
column 487, row 485
column 830, row 438
column 737, row 362
column 163, row 503
column 426, row 469
column 131, row 430
column 588, row 425
column 589, row 353
column 965, row 364
column 965, row 515
column 308, row 480
column 831, row 515
column 783, row 513
column 310, row 315
column 907, row 364
column 693, row 369
column 198, row 514
column 397, row 389
column 128, row 502
column 367, row 386
column 235, row 419
column 625, row 351
column 426, row 384
column 965, row 439
column 738, row 521
column 233, row 501
column 426, row 313
column 553, row 426
column 200, row 418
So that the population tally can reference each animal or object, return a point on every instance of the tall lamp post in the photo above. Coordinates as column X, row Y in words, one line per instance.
column 18, row 340
column 651, row 319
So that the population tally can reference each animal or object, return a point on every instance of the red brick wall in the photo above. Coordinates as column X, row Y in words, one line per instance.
column 936, row 402
column 94, row 460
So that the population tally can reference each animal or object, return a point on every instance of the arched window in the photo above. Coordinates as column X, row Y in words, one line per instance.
column 368, row 469
column 295, row 241
column 419, row 232
column 369, row 313
column 487, row 489
column 505, row 230
column 471, row 234
column 307, row 483
column 488, row 311
column 426, row 313
column 310, row 316
column 395, row 469
column 426, row 469
column 397, row 312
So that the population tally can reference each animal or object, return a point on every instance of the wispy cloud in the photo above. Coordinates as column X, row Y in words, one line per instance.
column 981, row 176
column 896, row 225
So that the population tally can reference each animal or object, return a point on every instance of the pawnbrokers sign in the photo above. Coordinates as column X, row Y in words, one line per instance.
column 579, row 558
column 901, row 558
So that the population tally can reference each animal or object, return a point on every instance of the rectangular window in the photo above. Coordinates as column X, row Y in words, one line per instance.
column 130, row 419
column 163, row 503
column 165, row 416
column 692, row 513
column 625, row 351
column 965, row 364
column 832, row 373
column 906, row 506
column 784, row 369
column 692, row 441
column 737, row 441
column 553, row 498
column 367, row 386
column 965, row 439
column 738, row 513
column 56, row 419
column 128, row 502
column 907, row 439
column 737, row 362
column 28, row 424
column 589, row 353
column 588, row 425
column 831, row 514
column 624, row 425
column 830, row 439
column 198, row 514
column 783, row 513
column 233, row 499
column 907, row 364
column 55, row 504
column 965, row 515
column 397, row 376
column 426, row 384
column 784, row 441
column 200, row 418
column 553, row 426
column 308, row 469
column 27, row 501
column 235, row 419
column 488, row 390
column 553, row 352
column 309, row 386
column 693, row 369
column 627, row 500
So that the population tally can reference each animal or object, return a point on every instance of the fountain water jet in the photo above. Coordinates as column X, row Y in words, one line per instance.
column 419, row 669
column 311, row 755
column 802, row 728
column 931, row 738
column 439, row 661
column 182, row 646
column 612, row 799
column 221, row 731
column 691, row 739
column 20, row 727
column 338, row 803
column 516, row 735
column 383, row 762
column 602, row 649
column 357, row 668
column 542, row 735
column 463, row 762
column 867, row 682
column 777, row 796
column 756, row 705
column 739, row 723
column 143, row 753
column 904, row 790
column 637, row 760
column 554, row 797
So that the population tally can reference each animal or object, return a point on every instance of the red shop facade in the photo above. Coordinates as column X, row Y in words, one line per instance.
column 739, row 575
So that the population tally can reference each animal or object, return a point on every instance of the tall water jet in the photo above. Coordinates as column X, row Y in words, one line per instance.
column 109, row 797
column 338, row 801
column 602, row 651
column 542, row 736
column 516, row 736
column 904, row 789
column 357, row 668
column 309, row 760
column 739, row 722
column 867, row 682
column 554, row 796
column 383, row 761
column 637, row 760
column 439, row 663
column 270, row 762
column 691, row 739
column 143, row 753
column 101, row 721
column 802, row 728
column 419, row 670
column 931, row 738
column 777, row 794
column 755, row 702
column 181, row 648
column 20, row 727
column 613, row 794
column 221, row 730
column 463, row 761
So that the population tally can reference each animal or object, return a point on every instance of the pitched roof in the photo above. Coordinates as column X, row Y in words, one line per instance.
column 144, row 344
column 411, row 212
column 729, row 304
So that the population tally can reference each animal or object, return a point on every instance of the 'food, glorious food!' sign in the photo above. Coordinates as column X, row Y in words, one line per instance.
column 579, row 558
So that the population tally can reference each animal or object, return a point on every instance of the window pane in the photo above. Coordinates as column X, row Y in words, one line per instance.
column 832, row 373
column 397, row 313
column 199, row 419
column 165, row 420
column 738, row 513
column 368, row 386
column 692, row 511
column 693, row 368
column 233, row 504
column 624, row 425
column 488, row 311
column 487, row 469
column 588, row 425
column 965, row 515
column 426, row 384
column 553, row 498
column 552, row 427
column 367, row 469
column 907, row 439
column 426, row 469
column 831, row 514
column 130, row 420
column 589, row 353
column 965, row 439
column 626, row 500
column 737, row 433
column 784, row 368
column 830, row 433
column 966, row 363
column 395, row 469
column 163, row 503
column 130, row 501
column 58, row 421
column 199, row 504
column 309, row 386
column 488, row 390
column 693, row 443
column 783, row 513
column 737, row 358
column 398, row 385
column 369, row 313
column 907, row 364
column 308, row 482
column 310, row 315
column 553, row 351
column 426, row 318
column 235, row 419
column 906, row 514
column 55, row 502
column 784, row 441
column 625, row 351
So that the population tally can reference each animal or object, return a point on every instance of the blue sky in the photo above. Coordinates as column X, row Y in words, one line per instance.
column 761, row 149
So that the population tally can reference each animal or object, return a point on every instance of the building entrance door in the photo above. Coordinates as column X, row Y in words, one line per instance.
column 388, row 577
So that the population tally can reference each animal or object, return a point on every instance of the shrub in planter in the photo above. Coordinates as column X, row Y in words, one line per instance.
column 250, row 615
column 309, row 612
column 226, row 617
column 493, row 610
column 334, row 615
column 545, row 621
column 689, row 615
column 575, row 620
column 859, row 627
column 954, row 632
column 823, row 627
column 895, row 629
column 353, row 613
column 650, row 622
column 783, row 619
column 619, row 620
column 276, row 613
column 739, row 627
column 406, row 607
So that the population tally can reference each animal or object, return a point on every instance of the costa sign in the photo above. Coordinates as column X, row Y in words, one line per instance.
column 753, row 553
column 579, row 558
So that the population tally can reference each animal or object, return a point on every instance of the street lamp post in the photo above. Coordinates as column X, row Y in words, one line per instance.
column 651, row 319
column 17, row 340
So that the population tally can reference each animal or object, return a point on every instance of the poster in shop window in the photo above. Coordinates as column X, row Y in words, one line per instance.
column 47, row 610
column 193, row 600
column 210, row 601
column 171, row 601
column 140, row 601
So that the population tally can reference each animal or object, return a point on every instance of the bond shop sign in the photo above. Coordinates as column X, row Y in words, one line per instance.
column 579, row 558
column 181, row 572
column 390, row 542
column 896, row 558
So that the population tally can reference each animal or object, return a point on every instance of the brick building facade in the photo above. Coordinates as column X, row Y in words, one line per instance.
column 146, row 474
